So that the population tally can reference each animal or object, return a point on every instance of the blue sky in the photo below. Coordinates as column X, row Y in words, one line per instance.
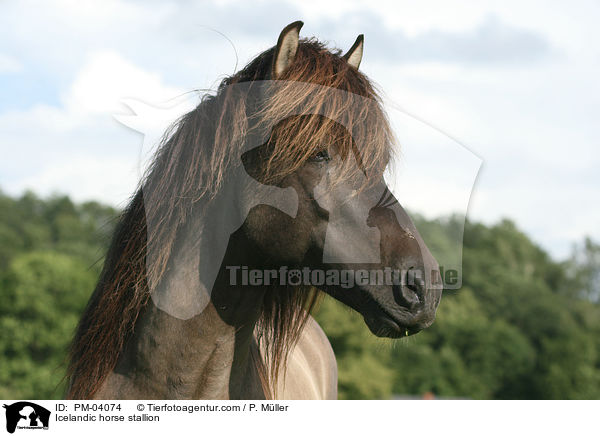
column 515, row 82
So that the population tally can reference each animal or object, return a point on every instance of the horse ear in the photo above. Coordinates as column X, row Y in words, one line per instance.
column 286, row 48
column 354, row 55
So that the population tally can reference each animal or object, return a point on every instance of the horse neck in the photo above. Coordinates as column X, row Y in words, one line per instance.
column 206, row 356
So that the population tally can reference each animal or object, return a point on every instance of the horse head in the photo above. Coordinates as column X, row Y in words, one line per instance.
column 358, row 243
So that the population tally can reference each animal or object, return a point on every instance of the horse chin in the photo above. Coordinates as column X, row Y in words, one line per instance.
column 384, row 326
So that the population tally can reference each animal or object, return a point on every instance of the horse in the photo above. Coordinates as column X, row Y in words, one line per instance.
column 267, row 195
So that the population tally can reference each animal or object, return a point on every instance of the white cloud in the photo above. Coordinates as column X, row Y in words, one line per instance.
column 106, row 179
column 9, row 64
column 78, row 148
column 106, row 79
column 435, row 175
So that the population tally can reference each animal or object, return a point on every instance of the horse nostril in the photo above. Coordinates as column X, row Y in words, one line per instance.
column 405, row 296
column 416, row 283
column 410, row 293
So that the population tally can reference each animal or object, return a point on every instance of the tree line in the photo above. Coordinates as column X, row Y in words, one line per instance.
column 522, row 326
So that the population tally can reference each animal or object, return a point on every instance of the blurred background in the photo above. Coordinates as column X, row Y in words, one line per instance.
column 514, row 84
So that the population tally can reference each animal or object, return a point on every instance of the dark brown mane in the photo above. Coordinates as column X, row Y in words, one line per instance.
column 190, row 167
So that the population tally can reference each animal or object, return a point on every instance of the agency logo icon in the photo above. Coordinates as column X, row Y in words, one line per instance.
column 26, row 415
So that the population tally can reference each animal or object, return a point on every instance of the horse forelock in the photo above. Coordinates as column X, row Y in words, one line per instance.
column 191, row 166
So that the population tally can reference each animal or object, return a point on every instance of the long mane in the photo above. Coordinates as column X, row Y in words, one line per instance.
column 191, row 165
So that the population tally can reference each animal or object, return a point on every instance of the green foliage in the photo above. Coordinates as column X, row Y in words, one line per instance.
column 42, row 296
column 522, row 326
column 362, row 372
column 48, row 251
column 583, row 271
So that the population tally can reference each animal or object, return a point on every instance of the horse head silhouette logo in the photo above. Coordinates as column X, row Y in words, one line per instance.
column 24, row 414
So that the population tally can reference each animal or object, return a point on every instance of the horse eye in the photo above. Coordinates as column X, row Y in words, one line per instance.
column 321, row 156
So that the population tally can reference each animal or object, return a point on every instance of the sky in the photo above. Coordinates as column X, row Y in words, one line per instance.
column 495, row 104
